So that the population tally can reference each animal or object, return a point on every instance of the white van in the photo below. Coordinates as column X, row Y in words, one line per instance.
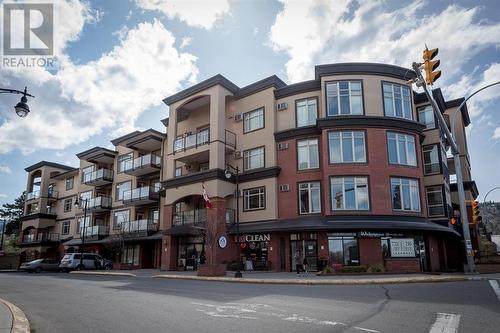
column 72, row 261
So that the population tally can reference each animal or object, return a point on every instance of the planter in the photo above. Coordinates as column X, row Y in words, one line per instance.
column 212, row 270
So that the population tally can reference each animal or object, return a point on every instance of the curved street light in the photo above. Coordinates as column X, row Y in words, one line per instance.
column 22, row 108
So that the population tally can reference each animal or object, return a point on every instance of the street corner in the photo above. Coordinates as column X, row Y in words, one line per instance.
column 19, row 321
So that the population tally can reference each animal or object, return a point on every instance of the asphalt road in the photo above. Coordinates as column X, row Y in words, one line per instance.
column 58, row 302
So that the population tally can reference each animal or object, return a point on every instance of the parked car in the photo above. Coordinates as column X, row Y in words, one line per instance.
column 72, row 261
column 39, row 265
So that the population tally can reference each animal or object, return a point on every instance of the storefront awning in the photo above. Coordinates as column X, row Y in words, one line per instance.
column 78, row 241
column 183, row 230
column 345, row 223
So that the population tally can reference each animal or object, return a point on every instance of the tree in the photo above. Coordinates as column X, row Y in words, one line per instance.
column 12, row 212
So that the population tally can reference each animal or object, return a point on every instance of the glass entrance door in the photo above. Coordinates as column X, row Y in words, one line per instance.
column 308, row 249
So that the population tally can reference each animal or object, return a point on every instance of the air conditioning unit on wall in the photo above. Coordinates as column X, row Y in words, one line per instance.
column 282, row 106
column 238, row 154
column 238, row 117
column 284, row 188
column 282, row 145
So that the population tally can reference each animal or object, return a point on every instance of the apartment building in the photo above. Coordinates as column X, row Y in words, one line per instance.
column 347, row 169
column 117, row 214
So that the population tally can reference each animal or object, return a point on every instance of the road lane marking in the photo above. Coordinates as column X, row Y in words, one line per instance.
column 495, row 287
column 445, row 323
column 366, row 329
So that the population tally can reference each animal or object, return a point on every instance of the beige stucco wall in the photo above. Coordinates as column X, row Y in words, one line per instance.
column 286, row 119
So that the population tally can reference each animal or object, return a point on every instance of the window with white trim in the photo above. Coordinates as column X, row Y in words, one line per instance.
column 253, row 158
column 431, row 160
column 308, row 154
column 349, row 193
column 253, row 120
column 121, row 188
column 83, row 224
column 120, row 217
column 254, row 198
column 435, row 202
column 426, row 116
column 70, row 181
column 397, row 100
column 347, row 147
column 401, row 149
column 125, row 161
column 405, row 194
column 309, row 198
column 344, row 98
column 307, row 112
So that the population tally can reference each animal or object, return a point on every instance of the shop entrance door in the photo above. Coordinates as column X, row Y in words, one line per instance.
column 308, row 249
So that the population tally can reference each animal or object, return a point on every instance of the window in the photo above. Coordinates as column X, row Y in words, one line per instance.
column 178, row 172
column 405, row 194
column 397, row 102
column 309, row 198
column 82, row 225
column 70, row 181
column 254, row 198
column 347, row 147
column 431, row 160
column 253, row 158
column 125, row 162
column 343, row 250
column 65, row 227
column 130, row 255
column 308, row 154
column 87, row 195
column 120, row 217
column 401, row 149
column 344, row 97
column 435, row 202
column 68, row 204
column 253, row 120
column 349, row 193
column 426, row 117
column 306, row 112
column 87, row 173
column 122, row 187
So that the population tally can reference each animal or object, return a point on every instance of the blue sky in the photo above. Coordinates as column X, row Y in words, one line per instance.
column 119, row 58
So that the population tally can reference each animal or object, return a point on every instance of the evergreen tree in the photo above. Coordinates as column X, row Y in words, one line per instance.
column 12, row 212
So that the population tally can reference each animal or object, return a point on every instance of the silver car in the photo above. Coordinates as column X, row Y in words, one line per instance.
column 73, row 261
column 39, row 265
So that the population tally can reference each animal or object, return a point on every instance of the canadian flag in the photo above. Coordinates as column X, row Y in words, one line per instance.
column 208, row 204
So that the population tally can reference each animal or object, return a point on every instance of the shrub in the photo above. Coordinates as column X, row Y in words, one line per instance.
column 353, row 269
column 376, row 268
column 327, row 270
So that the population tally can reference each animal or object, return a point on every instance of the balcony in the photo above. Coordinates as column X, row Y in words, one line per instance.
column 142, row 195
column 52, row 195
column 192, row 141
column 140, row 228
column 95, row 232
column 195, row 216
column 142, row 165
column 40, row 238
column 99, row 204
column 32, row 195
column 99, row 177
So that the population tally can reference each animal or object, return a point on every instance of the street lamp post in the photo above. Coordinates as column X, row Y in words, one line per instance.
column 229, row 174
column 84, row 229
column 22, row 108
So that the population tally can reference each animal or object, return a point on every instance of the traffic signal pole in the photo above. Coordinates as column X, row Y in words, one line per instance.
column 458, row 168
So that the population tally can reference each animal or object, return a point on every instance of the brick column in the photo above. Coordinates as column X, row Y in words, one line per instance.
column 370, row 251
column 216, row 221
column 168, row 243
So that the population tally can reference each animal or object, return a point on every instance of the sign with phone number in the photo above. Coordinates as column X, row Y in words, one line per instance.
column 402, row 247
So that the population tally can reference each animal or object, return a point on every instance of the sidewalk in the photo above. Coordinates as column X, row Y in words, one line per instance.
column 12, row 319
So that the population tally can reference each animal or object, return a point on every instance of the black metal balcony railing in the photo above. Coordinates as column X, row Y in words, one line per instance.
column 100, row 202
column 40, row 238
column 141, row 162
column 101, row 175
column 32, row 195
column 140, row 226
column 198, row 216
column 142, row 193
column 192, row 141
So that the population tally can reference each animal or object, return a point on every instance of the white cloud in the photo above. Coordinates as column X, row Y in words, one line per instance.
column 108, row 94
column 196, row 13
column 186, row 41
column 347, row 31
column 5, row 169
column 496, row 134
column 3, row 196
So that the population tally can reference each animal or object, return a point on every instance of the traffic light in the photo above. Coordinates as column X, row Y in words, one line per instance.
column 430, row 65
column 476, row 218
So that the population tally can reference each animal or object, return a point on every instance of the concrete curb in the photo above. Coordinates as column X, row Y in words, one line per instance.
column 423, row 279
column 103, row 273
column 20, row 323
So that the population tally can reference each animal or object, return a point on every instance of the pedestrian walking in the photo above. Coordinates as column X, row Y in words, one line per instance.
column 298, row 261
column 305, row 265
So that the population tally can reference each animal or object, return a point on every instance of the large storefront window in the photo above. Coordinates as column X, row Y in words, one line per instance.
column 343, row 249
column 254, row 251
column 307, row 245
column 190, row 252
column 130, row 255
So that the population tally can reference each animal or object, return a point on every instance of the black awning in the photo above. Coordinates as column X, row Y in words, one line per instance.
column 345, row 223
column 183, row 230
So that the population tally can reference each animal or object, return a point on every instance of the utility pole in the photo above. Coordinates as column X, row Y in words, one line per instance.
column 429, row 67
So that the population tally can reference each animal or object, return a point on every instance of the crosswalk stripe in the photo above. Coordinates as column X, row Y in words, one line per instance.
column 495, row 287
column 445, row 323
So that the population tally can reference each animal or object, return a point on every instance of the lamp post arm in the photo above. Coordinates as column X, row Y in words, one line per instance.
column 15, row 91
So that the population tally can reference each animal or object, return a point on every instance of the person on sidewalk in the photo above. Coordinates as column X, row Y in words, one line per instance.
column 298, row 261
column 305, row 265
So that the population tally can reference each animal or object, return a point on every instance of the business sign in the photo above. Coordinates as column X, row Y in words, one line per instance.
column 402, row 247
column 369, row 234
column 254, row 238
column 222, row 242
